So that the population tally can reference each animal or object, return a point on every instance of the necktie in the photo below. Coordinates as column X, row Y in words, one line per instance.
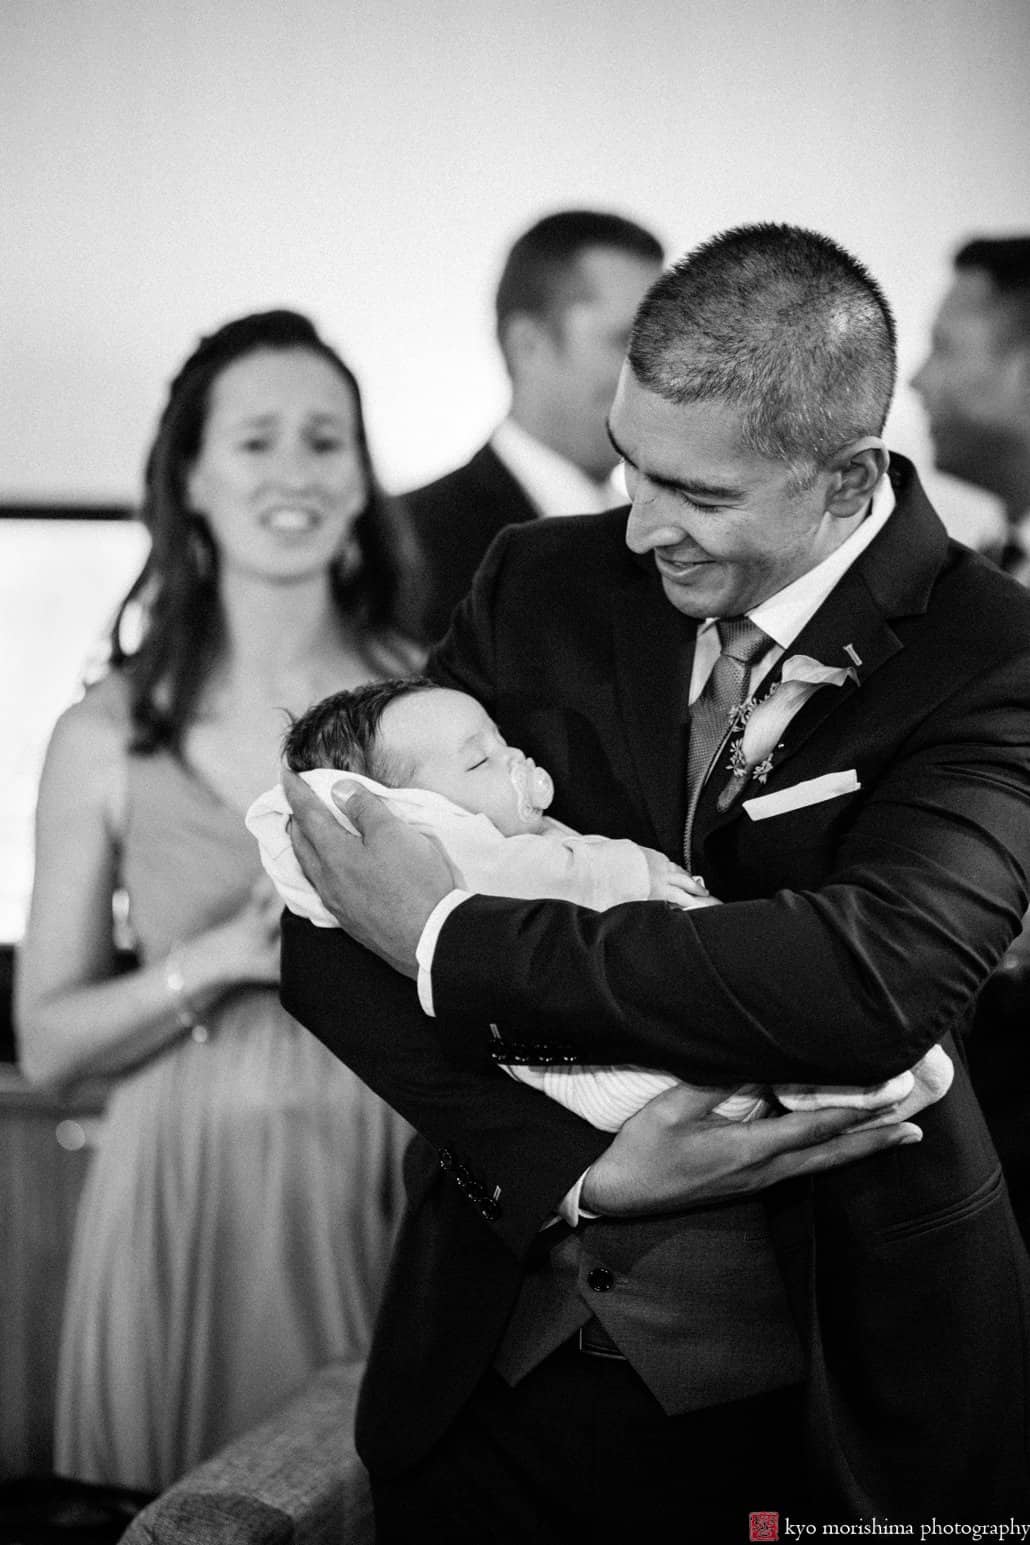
column 741, row 641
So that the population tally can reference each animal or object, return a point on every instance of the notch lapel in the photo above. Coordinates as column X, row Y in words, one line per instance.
column 893, row 578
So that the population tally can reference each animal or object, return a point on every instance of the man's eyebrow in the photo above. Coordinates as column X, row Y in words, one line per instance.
column 696, row 486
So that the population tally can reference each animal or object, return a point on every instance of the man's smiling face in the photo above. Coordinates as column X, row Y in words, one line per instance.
column 727, row 526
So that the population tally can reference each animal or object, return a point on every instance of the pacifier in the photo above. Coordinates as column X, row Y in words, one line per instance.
column 533, row 787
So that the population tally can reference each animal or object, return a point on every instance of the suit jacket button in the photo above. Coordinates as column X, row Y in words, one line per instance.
column 600, row 1279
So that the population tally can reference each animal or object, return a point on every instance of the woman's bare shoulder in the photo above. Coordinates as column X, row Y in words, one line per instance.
column 96, row 726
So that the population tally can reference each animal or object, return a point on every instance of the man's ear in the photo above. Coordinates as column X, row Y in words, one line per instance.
column 856, row 469
column 522, row 340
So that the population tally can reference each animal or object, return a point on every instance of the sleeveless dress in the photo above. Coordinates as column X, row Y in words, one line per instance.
column 235, row 1227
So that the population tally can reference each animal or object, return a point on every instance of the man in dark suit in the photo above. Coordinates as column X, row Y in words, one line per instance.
column 975, row 386
column 975, row 383
column 564, row 305
column 722, row 1321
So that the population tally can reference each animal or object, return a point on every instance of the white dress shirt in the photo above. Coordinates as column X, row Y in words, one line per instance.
column 555, row 485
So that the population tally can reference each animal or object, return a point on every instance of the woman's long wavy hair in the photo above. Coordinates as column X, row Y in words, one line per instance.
column 176, row 601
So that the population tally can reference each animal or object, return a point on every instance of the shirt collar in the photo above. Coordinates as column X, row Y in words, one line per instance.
column 784, row 614
column 554, row 484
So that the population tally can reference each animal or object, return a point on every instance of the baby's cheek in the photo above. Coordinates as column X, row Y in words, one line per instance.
column 514, row 822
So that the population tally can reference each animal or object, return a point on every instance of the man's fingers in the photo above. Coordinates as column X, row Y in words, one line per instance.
column 360, row 805
column 821, row 1139
column 298, row 795
column 847, row 1149
column 806, row 1129
column 308, row 810
column 307, row 853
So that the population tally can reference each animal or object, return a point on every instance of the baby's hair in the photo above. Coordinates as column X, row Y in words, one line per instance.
column 342, row 731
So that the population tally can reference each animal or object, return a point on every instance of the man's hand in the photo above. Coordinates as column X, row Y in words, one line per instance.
column 665, row 1158
column 380, row 886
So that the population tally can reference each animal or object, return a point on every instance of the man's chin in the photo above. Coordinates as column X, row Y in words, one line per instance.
column 693, row 596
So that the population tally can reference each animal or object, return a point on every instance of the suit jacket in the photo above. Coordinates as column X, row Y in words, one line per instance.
column 454, row 520
column 863, row 929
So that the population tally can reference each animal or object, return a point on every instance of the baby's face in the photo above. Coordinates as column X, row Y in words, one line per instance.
column 458, row 751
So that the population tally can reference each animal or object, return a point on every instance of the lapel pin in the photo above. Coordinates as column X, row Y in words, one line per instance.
column 852, row 654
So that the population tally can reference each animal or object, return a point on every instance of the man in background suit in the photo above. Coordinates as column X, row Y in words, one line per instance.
column 693, row 1342
column 975, row 383
column 565, row 302
column 975, row 386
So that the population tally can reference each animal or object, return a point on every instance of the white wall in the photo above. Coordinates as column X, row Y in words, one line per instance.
column 167, row 163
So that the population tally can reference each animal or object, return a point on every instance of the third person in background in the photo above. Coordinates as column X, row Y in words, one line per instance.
column 565, row 301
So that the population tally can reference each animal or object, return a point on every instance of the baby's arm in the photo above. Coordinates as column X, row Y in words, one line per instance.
column 609, row 1096
column 899, row 1099
column 597, row 872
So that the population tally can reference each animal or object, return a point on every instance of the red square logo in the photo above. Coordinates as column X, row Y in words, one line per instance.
column 763, row 1526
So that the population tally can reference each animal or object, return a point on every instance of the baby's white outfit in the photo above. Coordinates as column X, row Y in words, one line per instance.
column 596, row 872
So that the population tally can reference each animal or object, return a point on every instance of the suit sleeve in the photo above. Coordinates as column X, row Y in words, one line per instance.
column 513, row 1152
column 848, row 983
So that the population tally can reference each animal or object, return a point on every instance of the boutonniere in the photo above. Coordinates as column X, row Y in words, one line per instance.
column 756, row 726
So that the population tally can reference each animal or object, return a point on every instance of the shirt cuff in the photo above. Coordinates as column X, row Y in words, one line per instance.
column 569, row 1205
column 427, row 946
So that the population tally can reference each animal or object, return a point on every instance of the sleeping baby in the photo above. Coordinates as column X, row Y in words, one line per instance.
column 438, row 762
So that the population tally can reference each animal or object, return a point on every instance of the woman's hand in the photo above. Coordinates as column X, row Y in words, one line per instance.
column 245, row 948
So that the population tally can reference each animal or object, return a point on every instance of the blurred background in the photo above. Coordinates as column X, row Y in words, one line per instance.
column 169, row 164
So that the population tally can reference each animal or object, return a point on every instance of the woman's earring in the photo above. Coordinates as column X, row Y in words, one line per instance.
column 348, row 559
column 200, row 548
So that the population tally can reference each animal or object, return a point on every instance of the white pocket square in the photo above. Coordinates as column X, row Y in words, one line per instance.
column 812, row 792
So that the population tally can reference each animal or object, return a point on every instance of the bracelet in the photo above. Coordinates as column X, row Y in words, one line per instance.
column 184, row 1010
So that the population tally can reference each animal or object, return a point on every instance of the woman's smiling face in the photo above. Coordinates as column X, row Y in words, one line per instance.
column 279, row 476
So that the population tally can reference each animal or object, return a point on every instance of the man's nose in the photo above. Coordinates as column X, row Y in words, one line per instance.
column 918, row 380
column 652, row 523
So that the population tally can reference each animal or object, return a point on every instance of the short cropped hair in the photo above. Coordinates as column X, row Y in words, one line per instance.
column 782, row 323
column 342, row 731
column 542, row 276
column 1006, row 262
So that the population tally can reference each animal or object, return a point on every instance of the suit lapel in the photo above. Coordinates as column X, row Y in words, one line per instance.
column 654, row 651
column 504, row 501
column 893, row 578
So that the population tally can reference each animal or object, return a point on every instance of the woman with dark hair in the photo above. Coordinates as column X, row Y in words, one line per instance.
column 236, row 1223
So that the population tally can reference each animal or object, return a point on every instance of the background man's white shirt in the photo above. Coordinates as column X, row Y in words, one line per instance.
column 555, row 485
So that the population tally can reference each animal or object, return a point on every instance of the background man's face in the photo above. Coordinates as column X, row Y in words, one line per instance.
column 582, row 353
column 725, row 525
column 965, row 381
